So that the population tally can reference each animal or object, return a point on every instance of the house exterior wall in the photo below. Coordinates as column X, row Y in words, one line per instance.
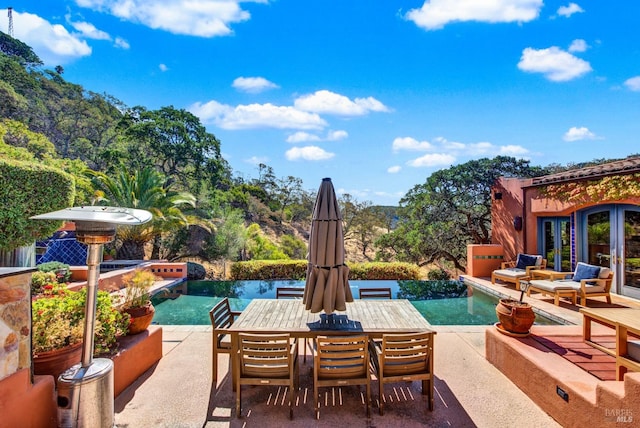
column 518, row 199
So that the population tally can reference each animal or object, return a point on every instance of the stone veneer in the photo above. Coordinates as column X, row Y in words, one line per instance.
column 15, row 320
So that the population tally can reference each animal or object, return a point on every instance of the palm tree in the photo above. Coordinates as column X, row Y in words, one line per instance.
column 144, row 189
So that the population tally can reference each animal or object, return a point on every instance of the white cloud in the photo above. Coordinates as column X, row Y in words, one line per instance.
column 578, row 45
column 121, row 43
column 409, row 143
column 577, row 134
column 436, row 159
column 569, row 10
column 311, row 153
column 394, row 169
column 253, row 85
column 202, row 18
column 513, row 150
column 328, row 102
column 163, row 67
column 302, row 137
column 89, row 30
column 633, row 83
column 257, row 160
column 435, row 14
column 557, row 65
column 256, row 116
column 52, row 43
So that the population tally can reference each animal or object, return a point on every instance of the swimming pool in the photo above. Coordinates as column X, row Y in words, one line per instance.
column 440, row 302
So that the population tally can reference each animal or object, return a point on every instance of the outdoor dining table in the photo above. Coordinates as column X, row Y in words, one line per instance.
column 371, row 317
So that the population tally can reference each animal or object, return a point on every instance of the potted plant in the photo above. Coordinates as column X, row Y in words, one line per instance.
column 58, row 327
column 136, row 299
column 516, row 316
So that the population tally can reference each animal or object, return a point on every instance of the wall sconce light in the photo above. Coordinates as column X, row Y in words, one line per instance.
column 517, row 223
column 497, row 196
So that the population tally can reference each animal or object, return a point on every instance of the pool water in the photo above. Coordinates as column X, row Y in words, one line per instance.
column 440, row 302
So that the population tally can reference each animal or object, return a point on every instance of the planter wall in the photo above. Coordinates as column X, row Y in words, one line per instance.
column 15, row 320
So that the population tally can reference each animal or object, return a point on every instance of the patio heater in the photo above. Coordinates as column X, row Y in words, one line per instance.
column 85, row 391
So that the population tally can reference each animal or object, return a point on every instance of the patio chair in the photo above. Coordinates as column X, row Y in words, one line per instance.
column 518, row 269
column 404, row 357
column 221, row 317
column 267, row 359
column 375, row 293
column 586, row 281
column 341, row 361
column 293, row 293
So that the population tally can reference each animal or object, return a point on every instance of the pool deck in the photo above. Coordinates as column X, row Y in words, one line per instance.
column 470, row 391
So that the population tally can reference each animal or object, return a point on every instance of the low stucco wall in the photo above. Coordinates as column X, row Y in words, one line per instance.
column 538, row 372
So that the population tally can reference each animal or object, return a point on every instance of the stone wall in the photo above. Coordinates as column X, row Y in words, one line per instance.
column 15, row 320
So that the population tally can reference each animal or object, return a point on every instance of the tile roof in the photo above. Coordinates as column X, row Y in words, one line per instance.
column 624, row 166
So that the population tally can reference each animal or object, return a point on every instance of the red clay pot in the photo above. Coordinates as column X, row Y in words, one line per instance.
column 515, row 316
column 140, row 318
column 55, row 362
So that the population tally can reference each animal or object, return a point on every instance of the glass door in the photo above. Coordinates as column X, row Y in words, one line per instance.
column 612, row 237
column 556, row 248
column 629, row 264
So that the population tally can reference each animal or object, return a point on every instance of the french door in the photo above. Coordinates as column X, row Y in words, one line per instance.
column 556, row 242
column 611, row 238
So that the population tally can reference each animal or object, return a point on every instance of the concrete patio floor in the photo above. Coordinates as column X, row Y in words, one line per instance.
column 470, row 392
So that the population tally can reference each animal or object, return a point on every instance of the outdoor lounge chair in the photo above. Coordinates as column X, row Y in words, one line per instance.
column 221, row 317
column 267, row 359
column 341, row 361
column 519, row 269
column 586, row 281
column 404, row 357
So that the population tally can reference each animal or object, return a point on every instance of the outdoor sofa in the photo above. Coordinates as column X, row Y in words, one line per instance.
column 586, row 281
column 514, row 271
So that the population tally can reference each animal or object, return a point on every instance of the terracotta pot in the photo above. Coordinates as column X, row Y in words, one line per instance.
column 55, row 362
column 515, row 316
column 140, row 318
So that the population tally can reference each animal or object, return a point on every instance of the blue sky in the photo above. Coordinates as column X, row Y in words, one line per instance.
column 376, row 95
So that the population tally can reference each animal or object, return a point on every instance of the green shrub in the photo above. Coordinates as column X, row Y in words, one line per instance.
column 297, row 270
column 269, row 269
column 27, row 190
column 62, row 271
column 380, row 270
column 438, row 274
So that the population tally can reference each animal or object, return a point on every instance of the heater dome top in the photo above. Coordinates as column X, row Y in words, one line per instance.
column 113, row 215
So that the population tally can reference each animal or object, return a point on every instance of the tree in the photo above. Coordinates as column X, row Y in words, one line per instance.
column 144, row 189
column 362, row 222
column 178, row 145
column 451, row 209
column 21, row 51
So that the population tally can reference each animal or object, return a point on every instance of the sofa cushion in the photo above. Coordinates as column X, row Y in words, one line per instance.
column 525, row 260
column 585, row 271
column 604, row 273
column 510, row 272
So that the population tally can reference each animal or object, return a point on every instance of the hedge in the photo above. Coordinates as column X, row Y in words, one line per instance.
column 297, row 270
column 26, row 190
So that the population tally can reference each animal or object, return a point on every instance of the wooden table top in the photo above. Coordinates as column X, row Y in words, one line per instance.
column 628, row 317
column 548, row 274
column 372, row 317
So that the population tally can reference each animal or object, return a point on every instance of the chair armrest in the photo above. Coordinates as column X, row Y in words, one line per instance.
column 235, row 314
column 585, row 282
column 506, row 265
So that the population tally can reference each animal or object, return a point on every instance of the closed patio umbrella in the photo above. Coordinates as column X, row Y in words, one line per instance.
column 327, row 284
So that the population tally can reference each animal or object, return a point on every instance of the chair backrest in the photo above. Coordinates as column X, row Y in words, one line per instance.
column 342, row 358
column 404, row 354
column 220, row 314
column 265, row 355
column 375, row 293
column 289, row 292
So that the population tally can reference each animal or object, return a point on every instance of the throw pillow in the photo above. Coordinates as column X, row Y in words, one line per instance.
column 585, row 271
column 525, row 260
